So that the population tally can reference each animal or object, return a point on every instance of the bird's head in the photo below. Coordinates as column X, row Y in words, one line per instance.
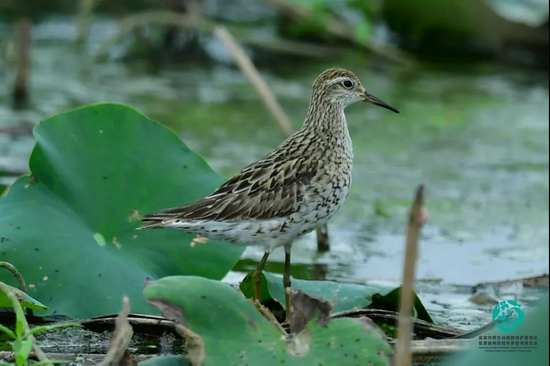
column 342, row 87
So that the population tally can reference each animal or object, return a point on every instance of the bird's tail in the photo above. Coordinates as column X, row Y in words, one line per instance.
column 160, row 219
column 151, row 225
column 155, row 220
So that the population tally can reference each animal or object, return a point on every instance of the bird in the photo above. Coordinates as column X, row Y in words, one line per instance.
column 288, row 193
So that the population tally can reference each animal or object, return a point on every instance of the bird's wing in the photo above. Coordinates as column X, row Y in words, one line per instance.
column 270, row 188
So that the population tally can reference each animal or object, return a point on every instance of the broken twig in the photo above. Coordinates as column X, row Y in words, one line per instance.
column 121, row 336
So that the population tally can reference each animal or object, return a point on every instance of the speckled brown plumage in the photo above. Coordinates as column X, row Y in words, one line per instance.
column 269, row 188
column 292, row 190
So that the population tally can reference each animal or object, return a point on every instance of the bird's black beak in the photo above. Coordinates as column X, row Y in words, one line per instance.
column 369, row 98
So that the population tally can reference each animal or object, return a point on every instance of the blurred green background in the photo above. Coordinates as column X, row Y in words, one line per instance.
column 470, row 78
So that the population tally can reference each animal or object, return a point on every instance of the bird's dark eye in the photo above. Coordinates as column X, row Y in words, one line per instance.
column 348, row 84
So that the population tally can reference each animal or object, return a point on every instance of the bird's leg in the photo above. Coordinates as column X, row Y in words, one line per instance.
column 257, row 275
column 286, row 280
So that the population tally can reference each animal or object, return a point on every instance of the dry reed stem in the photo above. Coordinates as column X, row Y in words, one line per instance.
column 403, row 356
column 253, row 75
column 23, row 45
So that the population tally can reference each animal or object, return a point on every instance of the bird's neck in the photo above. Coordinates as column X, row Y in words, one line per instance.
column 325, row 123
column 325, row 117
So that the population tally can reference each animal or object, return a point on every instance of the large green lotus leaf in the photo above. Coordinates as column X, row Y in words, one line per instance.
column 69, row 227
column 231, row 331
column 348, row 295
